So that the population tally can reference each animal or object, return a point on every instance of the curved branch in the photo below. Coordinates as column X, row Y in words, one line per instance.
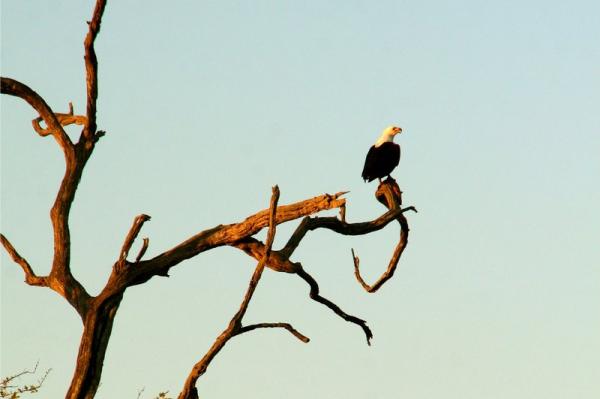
column 391, row 268
column 15, row 88
column 64, row 120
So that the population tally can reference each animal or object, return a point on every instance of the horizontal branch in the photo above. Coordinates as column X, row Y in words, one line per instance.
column 340, row 227
column 226, row 235
column 30, row 277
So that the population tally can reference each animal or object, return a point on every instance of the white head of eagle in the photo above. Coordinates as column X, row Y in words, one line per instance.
column 383, row 156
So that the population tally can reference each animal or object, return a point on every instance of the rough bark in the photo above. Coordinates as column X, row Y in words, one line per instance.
column 98, row 312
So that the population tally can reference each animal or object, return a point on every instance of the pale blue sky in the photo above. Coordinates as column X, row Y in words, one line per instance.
column 208, row 104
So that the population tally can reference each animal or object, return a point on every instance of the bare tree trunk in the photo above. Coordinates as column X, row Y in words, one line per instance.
column 92, row 347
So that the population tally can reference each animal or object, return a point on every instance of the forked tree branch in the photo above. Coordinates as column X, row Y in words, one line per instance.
column 234, row 328
column 223, row 235
column 60, row 278
column 138, row 222
column 280, row 263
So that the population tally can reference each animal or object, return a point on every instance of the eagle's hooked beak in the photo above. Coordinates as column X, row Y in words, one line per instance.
column 398, row 130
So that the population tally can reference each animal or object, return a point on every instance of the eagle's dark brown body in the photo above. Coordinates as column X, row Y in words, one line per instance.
column 381, row 161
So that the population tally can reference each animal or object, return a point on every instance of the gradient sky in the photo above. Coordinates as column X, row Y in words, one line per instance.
column 207, row 104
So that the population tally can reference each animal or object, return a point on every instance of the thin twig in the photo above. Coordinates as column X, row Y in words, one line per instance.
column 287, row 326
column 13, row 391
column 237, row 319
column 138, row 222
column 64, row 120
column 143, row 249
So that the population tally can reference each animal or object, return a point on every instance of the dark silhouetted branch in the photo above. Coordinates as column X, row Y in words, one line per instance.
column 393, row 263
column 315, row 295
column 287, row 326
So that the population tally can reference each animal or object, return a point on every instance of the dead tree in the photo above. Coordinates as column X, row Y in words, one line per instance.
column 98, row 312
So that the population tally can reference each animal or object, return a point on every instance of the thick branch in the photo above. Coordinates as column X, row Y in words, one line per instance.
column 30, row 277
column 225, row 235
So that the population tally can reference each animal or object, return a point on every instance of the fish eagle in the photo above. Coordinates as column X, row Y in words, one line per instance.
column 383, row 156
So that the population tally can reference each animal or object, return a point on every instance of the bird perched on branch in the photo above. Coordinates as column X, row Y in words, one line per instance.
column 383, row 156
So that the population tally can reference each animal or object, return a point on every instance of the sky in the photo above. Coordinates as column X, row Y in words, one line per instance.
column 208, row 104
